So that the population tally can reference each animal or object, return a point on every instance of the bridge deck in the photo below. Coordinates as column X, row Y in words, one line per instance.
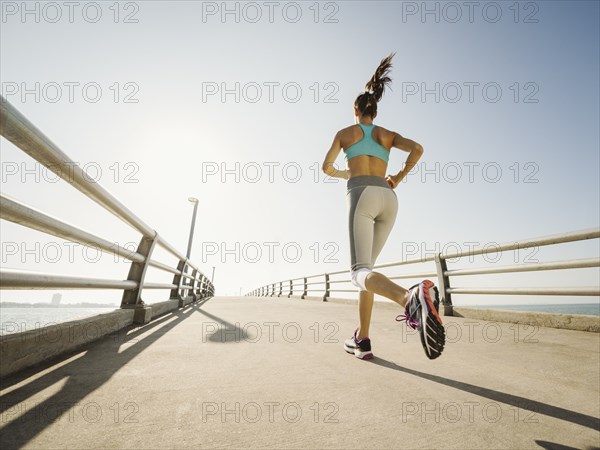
column 271, row 373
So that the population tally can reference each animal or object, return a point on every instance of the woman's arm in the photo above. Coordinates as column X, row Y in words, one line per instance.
column 332, row 154
column 415, row 151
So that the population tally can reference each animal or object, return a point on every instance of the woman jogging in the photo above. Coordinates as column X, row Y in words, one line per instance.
column 372, row 208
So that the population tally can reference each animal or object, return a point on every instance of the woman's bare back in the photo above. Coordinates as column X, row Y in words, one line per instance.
column 365, row 164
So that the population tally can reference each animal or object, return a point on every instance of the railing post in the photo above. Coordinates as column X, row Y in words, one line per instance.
column 280, row 289
column 177, row 279
column 205, row 283
column 291, row 289
column 443, row 283
column 193, row 285
column 305, row 293
column 273, row 290
column 198, row 293
column 327, row 293
column 137, row 273
column 183, row 290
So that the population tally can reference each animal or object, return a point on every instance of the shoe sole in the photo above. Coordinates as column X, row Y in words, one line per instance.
column 358, row 353
column 363, row 355
column 433, row 335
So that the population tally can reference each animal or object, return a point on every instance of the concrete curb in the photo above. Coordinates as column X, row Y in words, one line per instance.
column 578, row 322
column 22, row 350
column 19, row 351
column 158, row 309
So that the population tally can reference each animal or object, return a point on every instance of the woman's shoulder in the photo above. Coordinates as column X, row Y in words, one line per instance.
column 349, row 128
column 349, row 133
column 383, row 130
column 383, row 136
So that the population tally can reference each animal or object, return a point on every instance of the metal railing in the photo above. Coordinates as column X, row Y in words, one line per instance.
column 301, row 286
column 188, row 280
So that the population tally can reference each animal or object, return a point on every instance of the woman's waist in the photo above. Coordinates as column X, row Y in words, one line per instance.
column 367, row 180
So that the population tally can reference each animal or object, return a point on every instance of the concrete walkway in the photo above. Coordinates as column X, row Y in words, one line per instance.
column 272, row 373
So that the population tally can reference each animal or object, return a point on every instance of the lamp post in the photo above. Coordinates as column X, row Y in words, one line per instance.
column 195, row 202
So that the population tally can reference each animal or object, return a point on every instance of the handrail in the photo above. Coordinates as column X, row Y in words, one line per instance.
column 162, row 266
column 22, row 133
column 164, row 244
column 17, row 129
column 587, row 290
column 550, row 265
column 15, row 211
column 15, row 279
column 444, row 275
column 573, row 236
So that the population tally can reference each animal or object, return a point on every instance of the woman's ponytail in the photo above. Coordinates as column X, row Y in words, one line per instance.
column 366, row 103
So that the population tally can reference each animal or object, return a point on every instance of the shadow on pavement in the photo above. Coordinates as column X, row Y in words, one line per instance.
column 509, row 399
column 100, row 360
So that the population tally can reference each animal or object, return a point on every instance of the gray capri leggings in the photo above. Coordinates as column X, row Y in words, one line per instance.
column 372, row 208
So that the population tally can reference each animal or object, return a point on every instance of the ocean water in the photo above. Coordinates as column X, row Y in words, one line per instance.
column 14, row 320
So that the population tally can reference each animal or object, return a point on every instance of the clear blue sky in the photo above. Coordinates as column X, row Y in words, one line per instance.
column 505, row 102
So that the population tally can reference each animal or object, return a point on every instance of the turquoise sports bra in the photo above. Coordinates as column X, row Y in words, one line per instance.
column 367, row 146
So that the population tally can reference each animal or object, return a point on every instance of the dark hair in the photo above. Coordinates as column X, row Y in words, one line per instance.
column 366, row 103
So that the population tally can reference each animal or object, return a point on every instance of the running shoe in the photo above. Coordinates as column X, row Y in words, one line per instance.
column 361, row 348
column 421, row 313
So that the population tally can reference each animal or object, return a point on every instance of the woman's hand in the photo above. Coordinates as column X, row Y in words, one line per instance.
column 392, row 180
column 334, row 173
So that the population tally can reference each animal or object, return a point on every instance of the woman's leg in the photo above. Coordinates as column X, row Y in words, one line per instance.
column 372, row 213
column 377, row 282
column 365, row 307
column 362, row 209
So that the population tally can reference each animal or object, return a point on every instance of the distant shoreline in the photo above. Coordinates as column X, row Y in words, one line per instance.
column 592, row 309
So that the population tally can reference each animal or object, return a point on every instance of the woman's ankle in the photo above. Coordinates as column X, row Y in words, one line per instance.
column 404, row 299
column 360, row 335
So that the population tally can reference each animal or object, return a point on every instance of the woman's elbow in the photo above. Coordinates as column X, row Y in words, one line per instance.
column 419, row 149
